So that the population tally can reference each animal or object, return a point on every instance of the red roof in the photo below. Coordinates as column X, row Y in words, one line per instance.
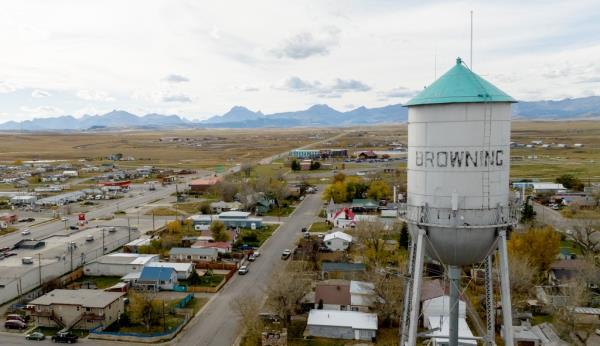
column 349, row 214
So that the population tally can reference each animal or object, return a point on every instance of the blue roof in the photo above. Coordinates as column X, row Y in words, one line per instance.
column 459, row 85
column 156, row 273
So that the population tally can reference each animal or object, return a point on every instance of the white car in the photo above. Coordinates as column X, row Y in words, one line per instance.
column 243, row 270
column 256, row 253
column 26, row 232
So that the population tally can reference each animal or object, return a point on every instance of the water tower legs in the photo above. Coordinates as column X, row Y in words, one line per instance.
column 454, row 276
column 505, row 290
column 417, row 280
column 490, row 307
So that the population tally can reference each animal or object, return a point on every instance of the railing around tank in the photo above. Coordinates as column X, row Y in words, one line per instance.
column 501, row 216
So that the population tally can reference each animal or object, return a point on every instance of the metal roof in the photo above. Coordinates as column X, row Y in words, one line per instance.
column 459, row 85
column 83, row 297
column 336, row 318
column 156, row 273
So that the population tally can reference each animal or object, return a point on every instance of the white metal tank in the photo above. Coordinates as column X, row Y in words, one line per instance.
column 458, row 165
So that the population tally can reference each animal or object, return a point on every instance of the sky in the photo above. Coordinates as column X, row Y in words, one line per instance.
column 200, row 58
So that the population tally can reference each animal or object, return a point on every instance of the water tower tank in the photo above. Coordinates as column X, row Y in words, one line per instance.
column 458, row 165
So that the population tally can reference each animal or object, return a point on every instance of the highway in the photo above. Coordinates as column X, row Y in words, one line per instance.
column 218, row 323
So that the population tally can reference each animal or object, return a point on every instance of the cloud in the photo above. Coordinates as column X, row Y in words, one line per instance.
column 349, row 85
column 6, row 87
column 39, row 93
column 399, row 92
column 42, row 110
column 305, row 44
column 94, row 95
column 176, row 98
column 334, row 90
column 175, row 78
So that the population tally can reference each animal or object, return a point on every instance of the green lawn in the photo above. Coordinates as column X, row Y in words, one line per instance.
column 161, row 211
column 255, row 238
column 206, row 281
column 280, row 212
column 319, row 227
column 7, row 230
column 100, row 281
column 581, row 213
column 170, row 322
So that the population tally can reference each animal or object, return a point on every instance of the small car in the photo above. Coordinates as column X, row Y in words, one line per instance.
column 26, row 232
column 256, row 254
column 4, row 249
column 65, row 338
column 286, row 254
column 304, row 229
column 73, row 227
column 35, row 336
column 243, row 270
column 15, row 317
column 10, row 254
column 251, row 258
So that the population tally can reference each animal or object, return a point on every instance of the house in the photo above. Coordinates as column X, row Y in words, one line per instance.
column 539, row 335
column 183, row 254
column 23, row 200
column 8, row 218
column 563, row 272
column 342, row 218
column 134, row 245
column 221, row 247
column 586, row 315
column 362, row 295
column 337, row 241
column 332, row 295
column 157, row 278
column 70, row 173
column 118, row 264
column 370, row 154
column 219, row 207
column 231, row 219
column 305, row 165
column 264, row 205
column 360, row 205
column 183, row 270
column 79, row 309
column 350, row 325
column 202, row 185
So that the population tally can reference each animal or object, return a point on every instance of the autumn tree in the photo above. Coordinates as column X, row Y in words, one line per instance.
column 378, row 189
column 539, row 245
column 339, row 177
column 247, row 307
column 144, row 309
column 226, row 190
column 571, row 182
column 587, row 237
column 355, row 188
column 205, row 208
column 218, row 231
column 336, row 191
column 372, row 236
column 285, row 292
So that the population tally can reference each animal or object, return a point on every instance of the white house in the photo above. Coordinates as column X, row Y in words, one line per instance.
column 350, row 325
column 337, row 241
column 70, row 173
column 183, row 270
column 342, row 218
column 118, row 264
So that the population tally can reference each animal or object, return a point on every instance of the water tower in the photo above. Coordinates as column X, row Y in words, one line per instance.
column 458, row 189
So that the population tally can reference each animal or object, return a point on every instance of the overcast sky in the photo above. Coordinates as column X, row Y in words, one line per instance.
column 200, row 58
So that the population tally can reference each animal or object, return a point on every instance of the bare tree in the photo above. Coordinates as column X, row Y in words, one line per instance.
column 387, row 297
column 246, row 168
column 587, row 237
column 522, row 276
column 285, row 292
column 248, row 307
column 226, row 190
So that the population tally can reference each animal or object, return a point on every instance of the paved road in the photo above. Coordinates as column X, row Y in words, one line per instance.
column 218, row 323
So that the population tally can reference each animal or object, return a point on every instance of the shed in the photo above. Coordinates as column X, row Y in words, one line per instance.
column 350, row 325
column 337, row 241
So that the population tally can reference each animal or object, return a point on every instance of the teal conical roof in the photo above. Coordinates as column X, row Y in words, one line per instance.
column 459, row 85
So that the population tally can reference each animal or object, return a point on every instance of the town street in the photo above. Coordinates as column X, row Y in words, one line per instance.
column 218, row 323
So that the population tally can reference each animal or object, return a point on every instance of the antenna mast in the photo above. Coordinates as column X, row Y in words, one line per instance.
column 471, row 60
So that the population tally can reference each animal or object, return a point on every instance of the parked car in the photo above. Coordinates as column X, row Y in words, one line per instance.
column 65, row 338
column 15, row 324
column 286, row 254
column 26, row 232
column 4, row 249
column 73, row 227
column 27, row 260
column 89, row 238
column 35, row 336
column 307, row 235
column 10, row 254
column 251, row 258
column 256, row 253
column 243, row 270
column 15, row 317
column 112, row 229
column 304, row 229
column 64, row 219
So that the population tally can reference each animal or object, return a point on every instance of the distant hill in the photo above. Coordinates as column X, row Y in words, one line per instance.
column 315, row 116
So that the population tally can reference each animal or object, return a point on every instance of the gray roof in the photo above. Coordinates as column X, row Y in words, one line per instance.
column 83, row 297
column 193, row 251
column 343, row 267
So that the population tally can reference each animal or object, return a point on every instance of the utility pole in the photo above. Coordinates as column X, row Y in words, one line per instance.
column 71, row 253
column 103, row 241
column 128, row 229
column 153, row 226
column 163, row 316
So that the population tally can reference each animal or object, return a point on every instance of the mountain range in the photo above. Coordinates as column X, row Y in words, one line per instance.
column 316, row 116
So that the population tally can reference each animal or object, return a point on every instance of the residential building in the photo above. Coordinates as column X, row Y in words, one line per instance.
column 183, row 254
column 370, row 154
column 344, row 295
column 364, row 205
column 539, row 335
column 118, row 264
column 183, row 270
column 23, row 200
column 219, row 207
column 79, row 309
column 231, row 219
column 337, row 241
column 350, row 325
column 134, row 245
column 221, row 247
column 157, row 278
column 202, row 185
column 70, row 173
column 342, row 218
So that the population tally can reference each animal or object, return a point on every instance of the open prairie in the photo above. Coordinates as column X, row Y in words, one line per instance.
column 184, row 148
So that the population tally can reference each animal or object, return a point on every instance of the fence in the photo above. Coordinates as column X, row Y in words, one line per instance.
column 24, row 284
column 216, row 265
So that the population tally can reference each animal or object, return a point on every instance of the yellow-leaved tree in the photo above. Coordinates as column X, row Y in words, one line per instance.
column 539, row 245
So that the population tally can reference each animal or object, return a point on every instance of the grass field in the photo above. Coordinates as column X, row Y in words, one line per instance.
column 319, row 227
